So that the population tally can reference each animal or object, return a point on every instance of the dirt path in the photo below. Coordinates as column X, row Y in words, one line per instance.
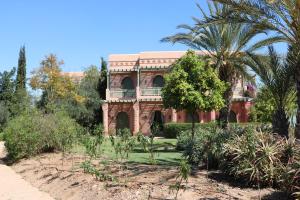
column 14, row 187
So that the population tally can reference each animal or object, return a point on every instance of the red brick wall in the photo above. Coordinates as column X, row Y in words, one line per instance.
column 114, row 109
column 147, row 110
column 146, row 78
column 116, row 79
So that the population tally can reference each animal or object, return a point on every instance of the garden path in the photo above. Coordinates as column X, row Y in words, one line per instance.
column 14, row 187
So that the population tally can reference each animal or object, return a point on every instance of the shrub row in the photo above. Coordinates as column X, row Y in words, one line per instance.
column 33, row 133
column 172, row 130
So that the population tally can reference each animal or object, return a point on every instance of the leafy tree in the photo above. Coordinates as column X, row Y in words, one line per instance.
column 224, row 44
column 7, row 87
column 279, row 17
column 87, row 113
column 4, row 115
column 277, row 76
column 192, row 85
column 55, row 87
column 21, row 72
column 103, row 79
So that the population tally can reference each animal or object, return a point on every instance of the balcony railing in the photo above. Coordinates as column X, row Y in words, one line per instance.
column 151, row 92
column 122, row 93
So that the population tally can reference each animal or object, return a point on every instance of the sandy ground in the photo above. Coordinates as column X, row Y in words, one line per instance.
column 14, row 187
column 64, row 179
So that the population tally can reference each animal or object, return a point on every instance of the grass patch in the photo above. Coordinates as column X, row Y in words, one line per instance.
column 165, row 149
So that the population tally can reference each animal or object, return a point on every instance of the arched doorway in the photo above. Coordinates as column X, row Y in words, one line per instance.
column 127, row 84
column 189, row 117
column 158, row 81
column 122, row 121
column 157, row 120
column 232, row 117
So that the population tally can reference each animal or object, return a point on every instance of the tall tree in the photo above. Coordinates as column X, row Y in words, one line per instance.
column 192, row 85
column 21, row 71
column 224, row 44
column 279, row 17
column 54, row 85
column 7, row 87
column 277, row 76
column 103, row 79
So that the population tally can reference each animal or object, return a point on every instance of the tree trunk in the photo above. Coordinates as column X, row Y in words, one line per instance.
column 231, row 78
column 280, row 122
column 193, row 126
column 297, row 127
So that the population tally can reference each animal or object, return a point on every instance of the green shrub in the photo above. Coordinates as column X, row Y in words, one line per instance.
column 33, row 133
column 172, row 130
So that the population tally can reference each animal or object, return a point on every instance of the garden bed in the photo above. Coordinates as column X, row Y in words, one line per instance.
column 64, row 179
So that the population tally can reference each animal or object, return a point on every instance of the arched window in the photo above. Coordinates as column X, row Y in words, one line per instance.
column 232, row 117
column 158, row 120
column 122, row 120
column 127, row 83
column 158, row 81
column 189, row 117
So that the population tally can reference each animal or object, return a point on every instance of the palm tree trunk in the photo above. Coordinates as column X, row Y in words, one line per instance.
column 297, row 127
column 231, row 78
column 280, row 122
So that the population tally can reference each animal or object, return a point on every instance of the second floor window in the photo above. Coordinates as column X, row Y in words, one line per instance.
column 127, row 84
column 158, row 81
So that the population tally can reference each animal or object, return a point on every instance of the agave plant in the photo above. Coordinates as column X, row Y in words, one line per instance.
column 224, row 45
column 281, row 17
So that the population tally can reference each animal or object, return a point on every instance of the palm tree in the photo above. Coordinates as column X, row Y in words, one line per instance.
column 277, row 76
column 225, row 45
column 281, row 17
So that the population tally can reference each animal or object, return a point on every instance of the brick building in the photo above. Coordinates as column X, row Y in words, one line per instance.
column 133, row 96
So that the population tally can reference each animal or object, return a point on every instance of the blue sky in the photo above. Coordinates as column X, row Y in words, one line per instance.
column 80, row 32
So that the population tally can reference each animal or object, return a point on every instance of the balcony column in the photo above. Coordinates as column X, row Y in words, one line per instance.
column 138, row 85
column 136, row 118
column 174, row 116
column 107, row 91
column 212, row 115
column 105, row 118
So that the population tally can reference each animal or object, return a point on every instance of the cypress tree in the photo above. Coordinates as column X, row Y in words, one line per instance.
column 21, row 72
column 103, row 79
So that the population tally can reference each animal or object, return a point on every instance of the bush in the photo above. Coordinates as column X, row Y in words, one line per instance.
column 32, row 133
column 4, row 115
column 264, row 159
column 172, row 130
column 207, row 146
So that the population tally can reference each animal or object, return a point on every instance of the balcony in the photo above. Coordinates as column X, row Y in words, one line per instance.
column 155, row 91
column 122, row 94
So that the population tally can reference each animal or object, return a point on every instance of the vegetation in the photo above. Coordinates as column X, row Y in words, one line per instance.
column 21, row 72
column 192, row 85
column 32, row 133
column 278, row 17
column 277, row 76
column 224, row 44
column 55, row 87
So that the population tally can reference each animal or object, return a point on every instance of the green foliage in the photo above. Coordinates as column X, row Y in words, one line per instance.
column 277, row 76
column 264, row 159
column 123, row 143
column 103, row 79
column 32, row 133
column 87, row 113
column 4, row 115
column 21, row 72
column 7, row 87
column 172, row 130
column 192, row 85
column 264, row 106
column 147, row 142
column 92, row 144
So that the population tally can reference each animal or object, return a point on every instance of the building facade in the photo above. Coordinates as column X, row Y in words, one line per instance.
column 133, row 95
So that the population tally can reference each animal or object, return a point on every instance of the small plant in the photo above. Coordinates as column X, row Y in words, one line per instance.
column 92, row 144
column 184, row 172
